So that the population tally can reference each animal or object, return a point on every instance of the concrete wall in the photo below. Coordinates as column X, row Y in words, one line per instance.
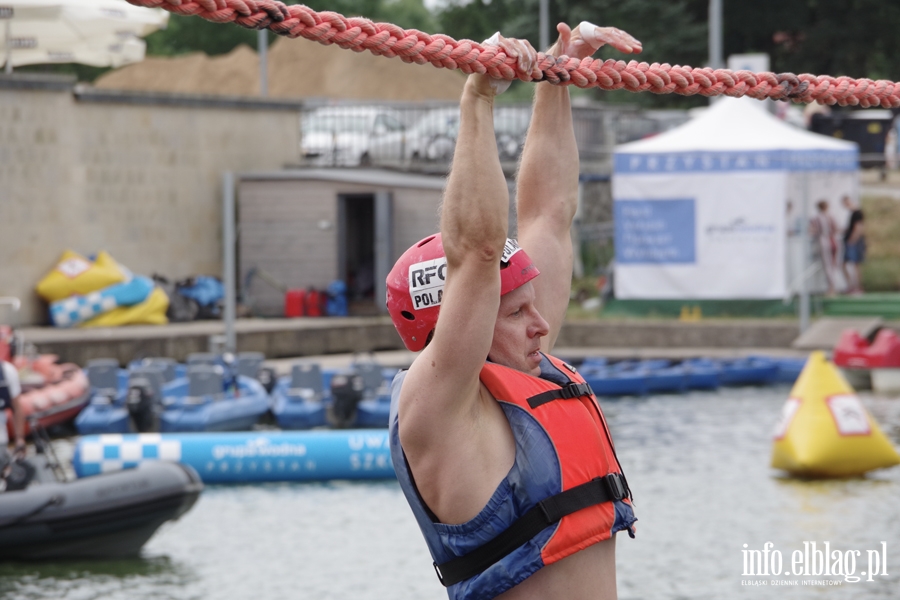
column 281, row 338
column 136, row 175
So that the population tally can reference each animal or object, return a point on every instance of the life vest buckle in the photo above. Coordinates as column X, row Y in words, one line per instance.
column 575, row 390
column 617, row 486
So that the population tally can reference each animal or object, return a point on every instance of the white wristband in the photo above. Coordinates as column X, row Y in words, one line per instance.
column 498, row 85
column 588, row 33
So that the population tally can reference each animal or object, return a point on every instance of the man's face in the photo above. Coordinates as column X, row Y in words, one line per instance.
column 518, row 332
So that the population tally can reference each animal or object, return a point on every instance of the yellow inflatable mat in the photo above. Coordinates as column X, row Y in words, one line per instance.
column 151, row 311
column 75, row 275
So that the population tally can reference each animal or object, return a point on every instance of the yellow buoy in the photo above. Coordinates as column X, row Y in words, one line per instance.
column 825, row 431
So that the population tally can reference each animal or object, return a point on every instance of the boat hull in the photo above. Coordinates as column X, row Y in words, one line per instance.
column 108, row 516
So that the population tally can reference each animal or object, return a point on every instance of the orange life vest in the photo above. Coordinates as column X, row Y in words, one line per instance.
column 565, row 492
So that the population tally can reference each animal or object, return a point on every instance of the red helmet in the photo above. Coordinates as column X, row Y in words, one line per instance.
column 415, row 286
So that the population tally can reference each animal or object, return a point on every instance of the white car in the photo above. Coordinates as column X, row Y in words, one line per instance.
column 343, row 136
column 433, row 137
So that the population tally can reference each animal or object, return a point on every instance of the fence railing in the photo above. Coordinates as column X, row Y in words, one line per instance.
column 422, row 136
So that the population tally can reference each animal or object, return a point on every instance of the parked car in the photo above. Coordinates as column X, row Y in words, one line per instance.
column 433, row 137
column 344, row 135
column 510, row 126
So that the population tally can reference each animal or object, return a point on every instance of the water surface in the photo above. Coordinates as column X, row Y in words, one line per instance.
column 697, row 463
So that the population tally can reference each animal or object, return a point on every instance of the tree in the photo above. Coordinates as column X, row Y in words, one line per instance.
column 857, row 38
column 192, row 34
column 672, row 31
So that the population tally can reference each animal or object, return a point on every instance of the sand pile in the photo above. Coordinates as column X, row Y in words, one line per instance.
column 297, row 69
column 232, row 74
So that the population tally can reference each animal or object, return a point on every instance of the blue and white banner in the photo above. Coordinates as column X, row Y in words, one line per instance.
column 739, row 160
column 655, row 231
column 252, row 456
column 705, row 235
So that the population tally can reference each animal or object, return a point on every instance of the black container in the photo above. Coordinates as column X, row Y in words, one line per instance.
column 868, row 128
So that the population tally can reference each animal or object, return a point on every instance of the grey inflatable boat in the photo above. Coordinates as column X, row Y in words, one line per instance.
column 105, row 516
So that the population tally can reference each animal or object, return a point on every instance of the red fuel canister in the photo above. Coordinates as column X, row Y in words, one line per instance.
column 294, row 303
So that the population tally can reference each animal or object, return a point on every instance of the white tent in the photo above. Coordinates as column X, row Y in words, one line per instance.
column 91, row 32
column 704, row 211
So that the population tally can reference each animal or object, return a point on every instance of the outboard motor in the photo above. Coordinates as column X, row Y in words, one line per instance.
column 143, row 405
column 15, row 474
column 268, row 378
column 346, row 392
column 231, row 366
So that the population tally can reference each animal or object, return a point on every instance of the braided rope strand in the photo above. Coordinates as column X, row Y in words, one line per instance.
column 413, row 46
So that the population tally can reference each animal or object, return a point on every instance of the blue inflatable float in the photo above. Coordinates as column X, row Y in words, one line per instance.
column 304, row 399
column 158, row 394
column 244, row 457
column 657, row 376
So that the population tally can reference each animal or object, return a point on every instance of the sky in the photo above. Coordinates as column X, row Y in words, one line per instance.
column 433, row 4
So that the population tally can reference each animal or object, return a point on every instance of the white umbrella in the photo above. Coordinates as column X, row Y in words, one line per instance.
column 92, row 32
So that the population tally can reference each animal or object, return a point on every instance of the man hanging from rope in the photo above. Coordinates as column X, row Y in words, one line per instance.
column 507, row 463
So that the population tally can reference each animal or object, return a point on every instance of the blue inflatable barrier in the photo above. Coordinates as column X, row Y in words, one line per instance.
column 243, row 457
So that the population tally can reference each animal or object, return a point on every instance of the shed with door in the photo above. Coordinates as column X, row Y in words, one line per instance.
column 305, row 228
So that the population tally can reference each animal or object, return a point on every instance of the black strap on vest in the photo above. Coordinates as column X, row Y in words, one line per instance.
column 543, row 514
column 567, row 392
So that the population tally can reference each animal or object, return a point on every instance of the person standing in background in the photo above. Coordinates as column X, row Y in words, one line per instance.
column 823, row 229
column 854, row 246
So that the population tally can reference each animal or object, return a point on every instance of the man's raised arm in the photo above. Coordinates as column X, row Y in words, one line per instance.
column 547, row 191
column 474, row 219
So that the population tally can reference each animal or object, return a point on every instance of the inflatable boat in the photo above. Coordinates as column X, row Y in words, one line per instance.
column 875, row 365
column 107, row 516
column 752, row 370
column 656, row 376
column 299, row 401
column 356, row 397
column 106, row 411
column 58, row 398
column 207, row 394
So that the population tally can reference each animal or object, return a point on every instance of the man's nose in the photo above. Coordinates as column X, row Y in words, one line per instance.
column 539, row 326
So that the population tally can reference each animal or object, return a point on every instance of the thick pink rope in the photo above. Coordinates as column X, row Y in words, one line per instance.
column 410, row 45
